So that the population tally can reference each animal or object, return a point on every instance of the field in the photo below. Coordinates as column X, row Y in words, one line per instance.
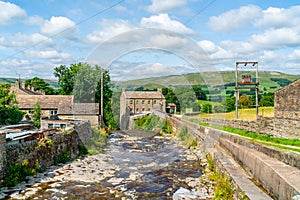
column 244, row 114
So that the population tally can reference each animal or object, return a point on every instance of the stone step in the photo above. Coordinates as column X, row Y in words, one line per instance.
column 240, row 178
column 279, row 179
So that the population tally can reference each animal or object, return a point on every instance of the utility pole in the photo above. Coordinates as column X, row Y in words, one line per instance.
column 101, row 99
column 246, row 83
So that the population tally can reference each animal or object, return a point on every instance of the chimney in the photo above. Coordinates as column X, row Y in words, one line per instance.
column 32, row 88
column 159, row 90
column 23, row 85
column 28, row 87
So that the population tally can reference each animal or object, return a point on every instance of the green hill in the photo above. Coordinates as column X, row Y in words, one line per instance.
column 266, row 80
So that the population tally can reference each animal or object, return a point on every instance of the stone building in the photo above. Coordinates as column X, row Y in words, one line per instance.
column 287, row 102
column 141, row 101
column 62, row 106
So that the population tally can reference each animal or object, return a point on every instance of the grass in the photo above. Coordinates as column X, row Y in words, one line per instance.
column 281, row 143
column 224, row 188
column 244, row 114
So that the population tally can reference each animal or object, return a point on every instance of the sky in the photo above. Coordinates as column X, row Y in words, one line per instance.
column 38, row 35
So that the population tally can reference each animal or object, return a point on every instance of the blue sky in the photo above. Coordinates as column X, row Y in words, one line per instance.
column 38, row 35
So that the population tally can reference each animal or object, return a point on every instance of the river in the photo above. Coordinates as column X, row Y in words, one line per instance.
column 134, row 165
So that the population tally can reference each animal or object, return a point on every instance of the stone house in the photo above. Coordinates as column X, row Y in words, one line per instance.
column 141, row 101
column 287, row 101
column 62, row 106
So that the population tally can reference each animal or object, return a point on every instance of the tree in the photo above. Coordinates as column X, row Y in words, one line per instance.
column 171, row 97
column 36, row 115
column 267, row 100
column 84, row 82
column 244, row 101
column 66, row 77
column 40, row 84
column 199, row 92
column 228, row 104
column 9, row 111
column 207, row 108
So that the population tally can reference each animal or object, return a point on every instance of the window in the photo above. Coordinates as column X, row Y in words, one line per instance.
column 149, row 101
column 148, row 109
column 137, row 110
column 53, row 112
column 50, row 126
column 154, row 101
column 143, row 101
column 143, row 109
column 131, row 101
column 137, row 101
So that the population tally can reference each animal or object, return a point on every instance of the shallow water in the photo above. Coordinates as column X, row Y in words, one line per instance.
column 131, row 167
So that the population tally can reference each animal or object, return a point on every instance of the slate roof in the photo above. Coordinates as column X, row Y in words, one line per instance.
column 47, row 102
column 79, row 109
column 143, row 95
column 62, row 103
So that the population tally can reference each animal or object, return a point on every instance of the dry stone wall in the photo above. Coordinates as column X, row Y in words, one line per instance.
column 43, row 150
column 277, row 127
column 286, row 102
column 2, row 153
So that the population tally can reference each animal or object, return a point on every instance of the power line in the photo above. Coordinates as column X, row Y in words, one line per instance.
column 200, row 11
column 56, row 34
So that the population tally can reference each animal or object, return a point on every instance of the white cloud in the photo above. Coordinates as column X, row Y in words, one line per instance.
column 61, row 26
column 239, row 46
column 168, row 41
column 277, row 38
column 50, row 54
column 34, row 20
column 279, row 17
column 21, row 40
column 163, row 21
column 208, row 46
column 10, row 12
column 110, row 28
column 159, row 6
column 234, row 19
column 295, row 56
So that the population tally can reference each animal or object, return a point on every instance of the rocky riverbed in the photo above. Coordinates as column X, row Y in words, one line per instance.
column 130, row 167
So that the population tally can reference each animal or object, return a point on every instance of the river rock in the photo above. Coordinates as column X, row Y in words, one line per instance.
column 185, row 194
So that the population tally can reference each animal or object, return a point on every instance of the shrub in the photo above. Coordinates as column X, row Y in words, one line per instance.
column 62, row 158
column 166, row 126
column 183, row 132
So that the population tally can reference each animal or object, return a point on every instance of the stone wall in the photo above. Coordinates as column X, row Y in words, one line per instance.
column 38, row 150
column 43, row 150
column 2, row 153
column 287, row 103
column 277, row 127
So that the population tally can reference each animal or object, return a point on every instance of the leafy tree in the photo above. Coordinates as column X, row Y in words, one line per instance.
column 207, row 108
column 84, row 82
column 171, row 97
column 228, row 104
column 9, row 112
column 244, row 101
column 200, row 95
column 40, row 84
column 66, row 77
column 36, row 115
column 267, row 100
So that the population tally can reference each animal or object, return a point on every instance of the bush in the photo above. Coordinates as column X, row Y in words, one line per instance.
column 18, row 173
column 166, row 126
column 62, row 158
column 183, row 132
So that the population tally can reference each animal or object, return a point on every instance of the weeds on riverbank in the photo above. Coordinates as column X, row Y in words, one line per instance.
column 187, row 138
column 17, row 173
column 223, row 188
column 96, row 143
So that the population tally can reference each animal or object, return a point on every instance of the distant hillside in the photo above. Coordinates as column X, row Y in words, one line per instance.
column 266, row 79
column 53, row 83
